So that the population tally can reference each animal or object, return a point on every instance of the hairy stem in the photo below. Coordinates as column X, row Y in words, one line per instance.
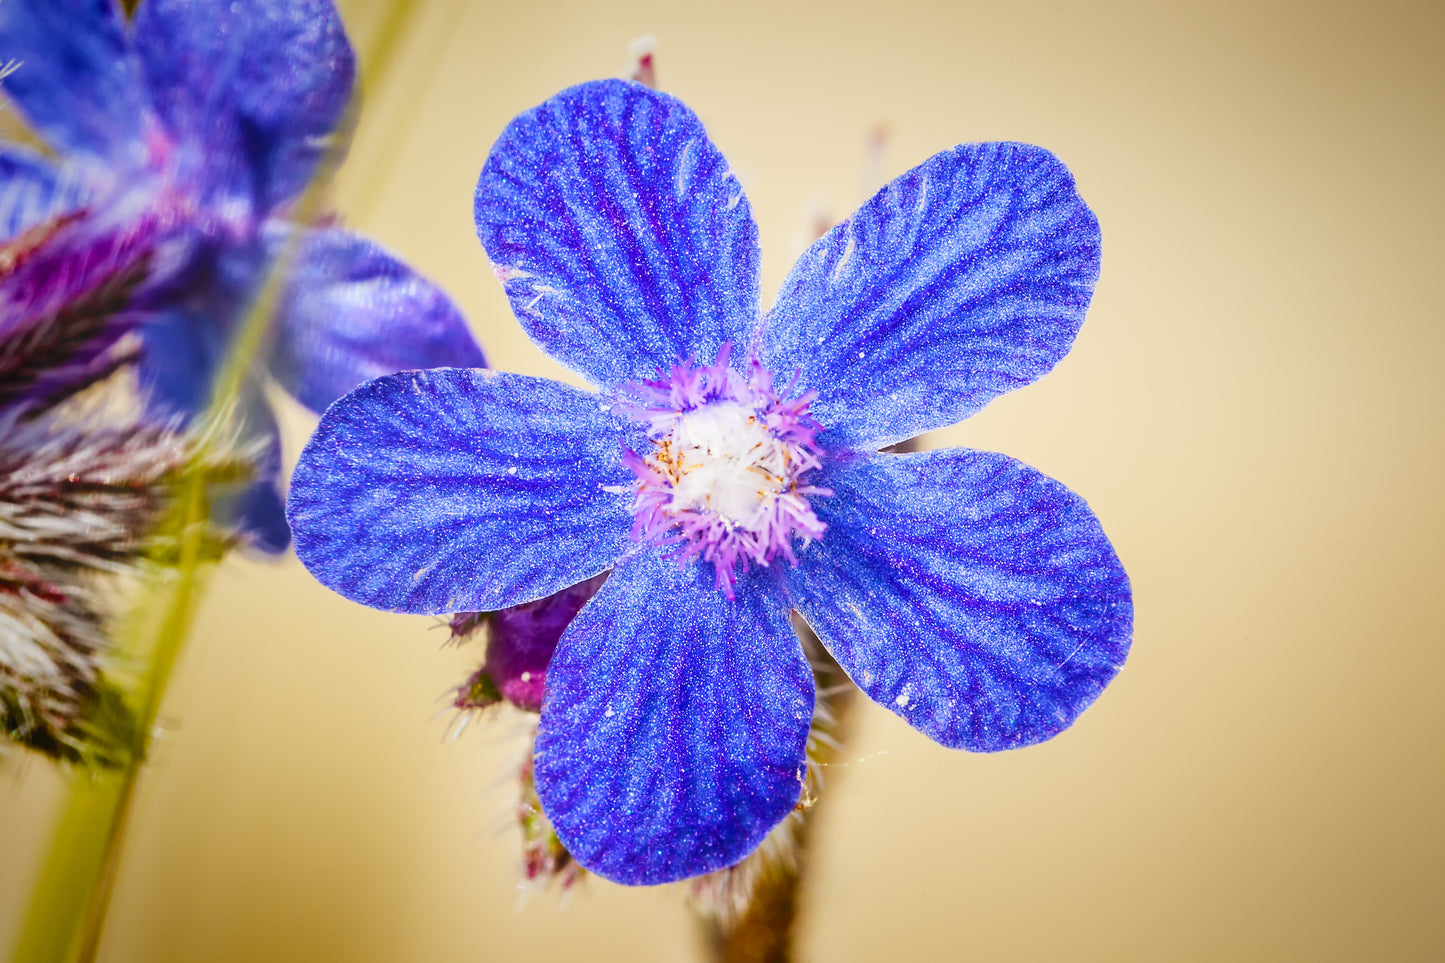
column 66, row 917
column 766, row 932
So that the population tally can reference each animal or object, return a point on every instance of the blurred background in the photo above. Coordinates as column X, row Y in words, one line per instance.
column 1253, row 409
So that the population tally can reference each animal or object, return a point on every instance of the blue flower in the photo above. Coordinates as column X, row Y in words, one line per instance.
column 209, row 117
column 964, row 591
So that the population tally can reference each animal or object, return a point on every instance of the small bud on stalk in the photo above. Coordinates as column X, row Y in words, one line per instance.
column 520, row 641
column 643, row 51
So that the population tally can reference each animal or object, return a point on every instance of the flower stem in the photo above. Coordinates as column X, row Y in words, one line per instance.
column 67, row 912
column 72, row 869
column 383, row 50
column 766, row 931
column 375, row 71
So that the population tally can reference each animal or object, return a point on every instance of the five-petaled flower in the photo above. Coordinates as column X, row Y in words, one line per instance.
column 727, row 486
column 208, row 118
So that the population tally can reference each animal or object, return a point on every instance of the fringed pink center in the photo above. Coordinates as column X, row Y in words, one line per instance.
column 726, row 477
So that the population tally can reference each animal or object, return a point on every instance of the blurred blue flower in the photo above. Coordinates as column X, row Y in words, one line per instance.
column 729, row 471
column 208, row 118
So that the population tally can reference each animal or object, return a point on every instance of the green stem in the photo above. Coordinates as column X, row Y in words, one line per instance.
column 378, row 60
column 72, row 869
column 67, row 912
column 179, row 613
column 371, row 186
column 66, row 916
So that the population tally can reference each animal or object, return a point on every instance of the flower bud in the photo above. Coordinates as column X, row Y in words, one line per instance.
column 520, row 641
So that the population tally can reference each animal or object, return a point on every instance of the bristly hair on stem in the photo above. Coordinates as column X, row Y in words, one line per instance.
column 82, row 483
column 749, row 911
column 78, row 506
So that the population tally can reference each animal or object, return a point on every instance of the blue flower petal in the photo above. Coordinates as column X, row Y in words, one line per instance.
column 965, row 278
column 620, row 235
column 77, row 82
column 460, row 489
column 255, row 88
column 33, row 190
column 967, row 592
column 352, row 312
column 257, row 510
column 253, row 508
column 179, row 354
column 674, row 722
column 260, row 514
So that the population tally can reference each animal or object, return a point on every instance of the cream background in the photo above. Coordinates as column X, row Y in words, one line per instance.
column 1253, row 409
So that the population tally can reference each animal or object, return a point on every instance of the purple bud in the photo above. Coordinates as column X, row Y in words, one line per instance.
column 520, row 643
column 67, row 302
column 643, row 52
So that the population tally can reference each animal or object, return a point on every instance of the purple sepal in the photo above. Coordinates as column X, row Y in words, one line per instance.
column 675, row 719
column 523, row 637
column 966, row 592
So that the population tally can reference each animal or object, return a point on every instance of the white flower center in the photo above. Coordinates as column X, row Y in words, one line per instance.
column 722, row 459
column 726, row 476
